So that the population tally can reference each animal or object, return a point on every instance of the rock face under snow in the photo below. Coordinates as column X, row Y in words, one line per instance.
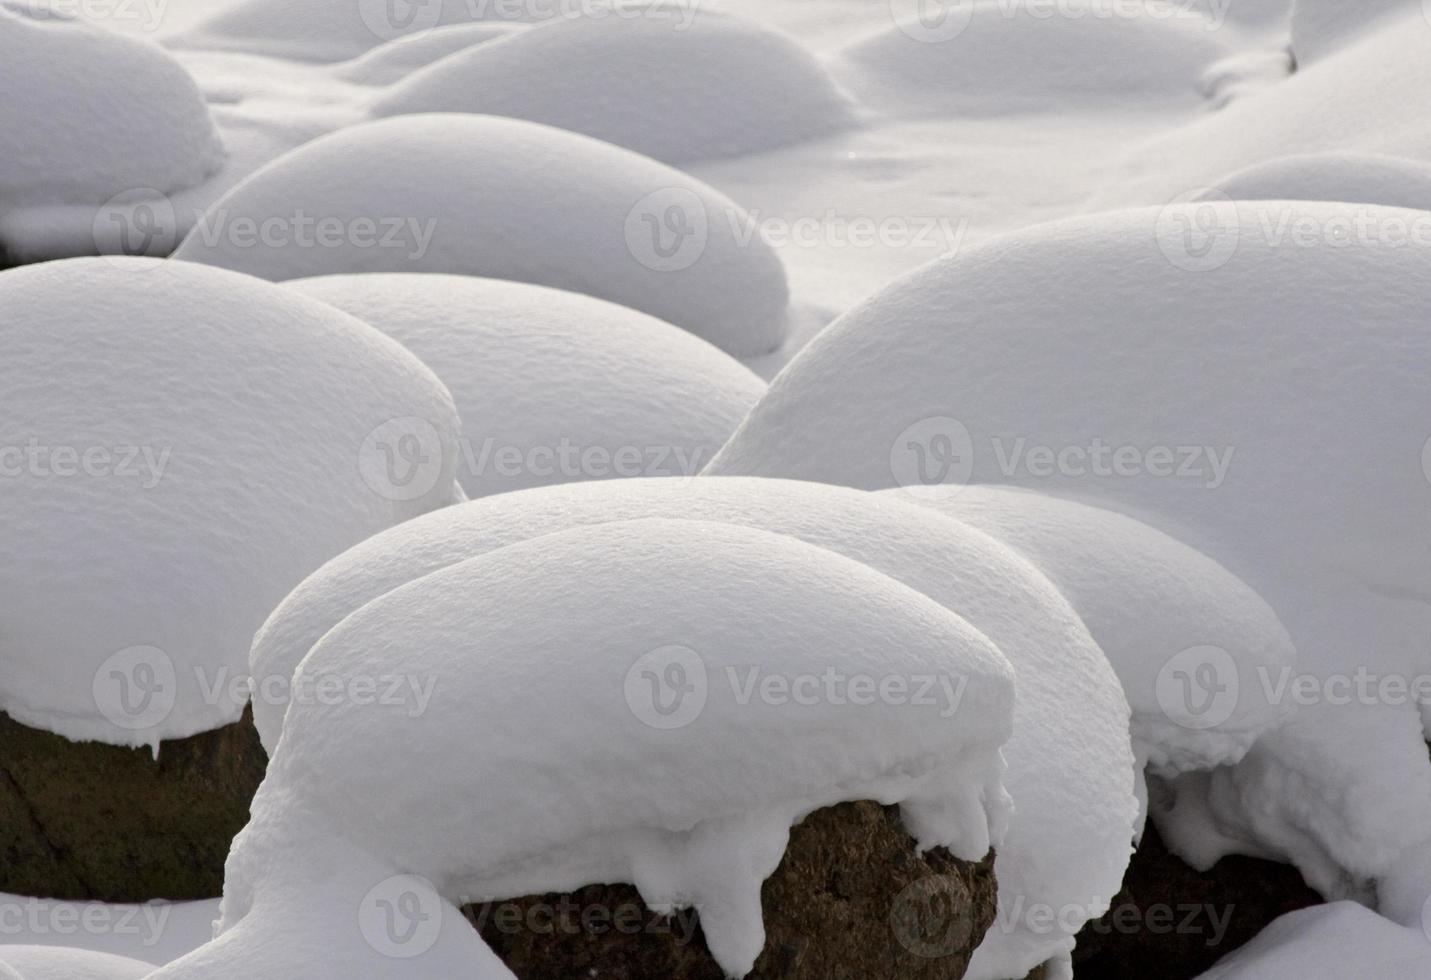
column 554, row 386
column 1148, row 600
column 89, row 114
column 617, row 644
column 1070, row 767
column 673, row 83
column 181, row 446
column 1370, row 178
column 1189, row 368
column 484, row 196
column 991, row 57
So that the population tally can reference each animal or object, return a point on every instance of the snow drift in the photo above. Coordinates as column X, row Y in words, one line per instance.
column 1069, row 759
column 60, row 963
column 89, row 114
column 1370, row 178
column 1322, row 26
column 395, row 60
column 618, row 644
column 1340, row 941
column 181, row 446
column 486, row 196
column 555, row 386
column 674, row 89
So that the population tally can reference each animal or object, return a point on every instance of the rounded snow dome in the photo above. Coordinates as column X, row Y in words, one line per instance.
column 180, row 447
column 62, row 963
column 395, row 60
column 1372, row 178
column 1070, row 765
column 988, row 57
column 90, row 114
column 627, row 647
column 1320, row 27
column 486, row 196
column 555, row 386
column 717, row 80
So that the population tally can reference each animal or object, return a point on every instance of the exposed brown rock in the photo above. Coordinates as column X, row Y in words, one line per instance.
column 84, row 820
column 850, row 901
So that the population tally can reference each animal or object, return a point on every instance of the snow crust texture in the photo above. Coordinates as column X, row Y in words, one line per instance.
column 1339, row 941
column 486, row 196
column 555, row 386
column 183, row 446
column 59, row 963
column 1370, row 178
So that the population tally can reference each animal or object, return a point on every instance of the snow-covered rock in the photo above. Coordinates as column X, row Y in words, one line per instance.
column 673, row 83
column 1148, row 600
column 89, row 114
column 486, row 196
column 603, row 664
column 1340, row 941
column 59, row 963
column 1322, row 26
column 395, row 60
column 1370, row 178
column 1069, row 840
column 182, row 445
column 321, row 30
column 990, row 57
column 1189, row 368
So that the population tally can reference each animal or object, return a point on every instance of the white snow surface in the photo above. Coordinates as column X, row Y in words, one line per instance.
column 690, row 799
column 1371, row 178
column 555, row 386
column 182, row 446
column 1339, row 941
column 1322, row 26
column 674, row 83
column 487, row 196
column 58, row 963
column 1106, row 359
column 993, row 57
column 89, row 114
column 395, row 60
column 1147, row 599
column 1068, row 842
column 152, row 932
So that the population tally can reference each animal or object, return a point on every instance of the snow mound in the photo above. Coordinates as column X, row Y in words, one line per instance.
column 1320, row 27
column 991, row 58
column 59, row 963
column 623, row 645
column 486, row 196
column 1340, row 941
column 395, row 60
column 90, row 114
column 321, row 30
column 555, row 386
column 180, row 447
column 727, row 86
column 1369, row 178
column 1070, row 766
column 1187, row 368
column 1148, row 600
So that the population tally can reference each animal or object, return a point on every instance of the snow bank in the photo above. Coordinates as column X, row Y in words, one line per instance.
column 58, row 963
column 1370, row 178
column 486, row 196
column 1069, row 761
column 555, row 386
column 623, row 645
column 1340, row 941
column 672, row 84
column 321, row 30
column 1320, row 27
column 1147, row 599
column 1258, row 398
column 181, row 445
column 89, row 114
column 395, row 60
column 993, row 57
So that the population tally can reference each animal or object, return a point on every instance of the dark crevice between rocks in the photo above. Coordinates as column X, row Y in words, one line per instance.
column 84, row 820
column 850, row 901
